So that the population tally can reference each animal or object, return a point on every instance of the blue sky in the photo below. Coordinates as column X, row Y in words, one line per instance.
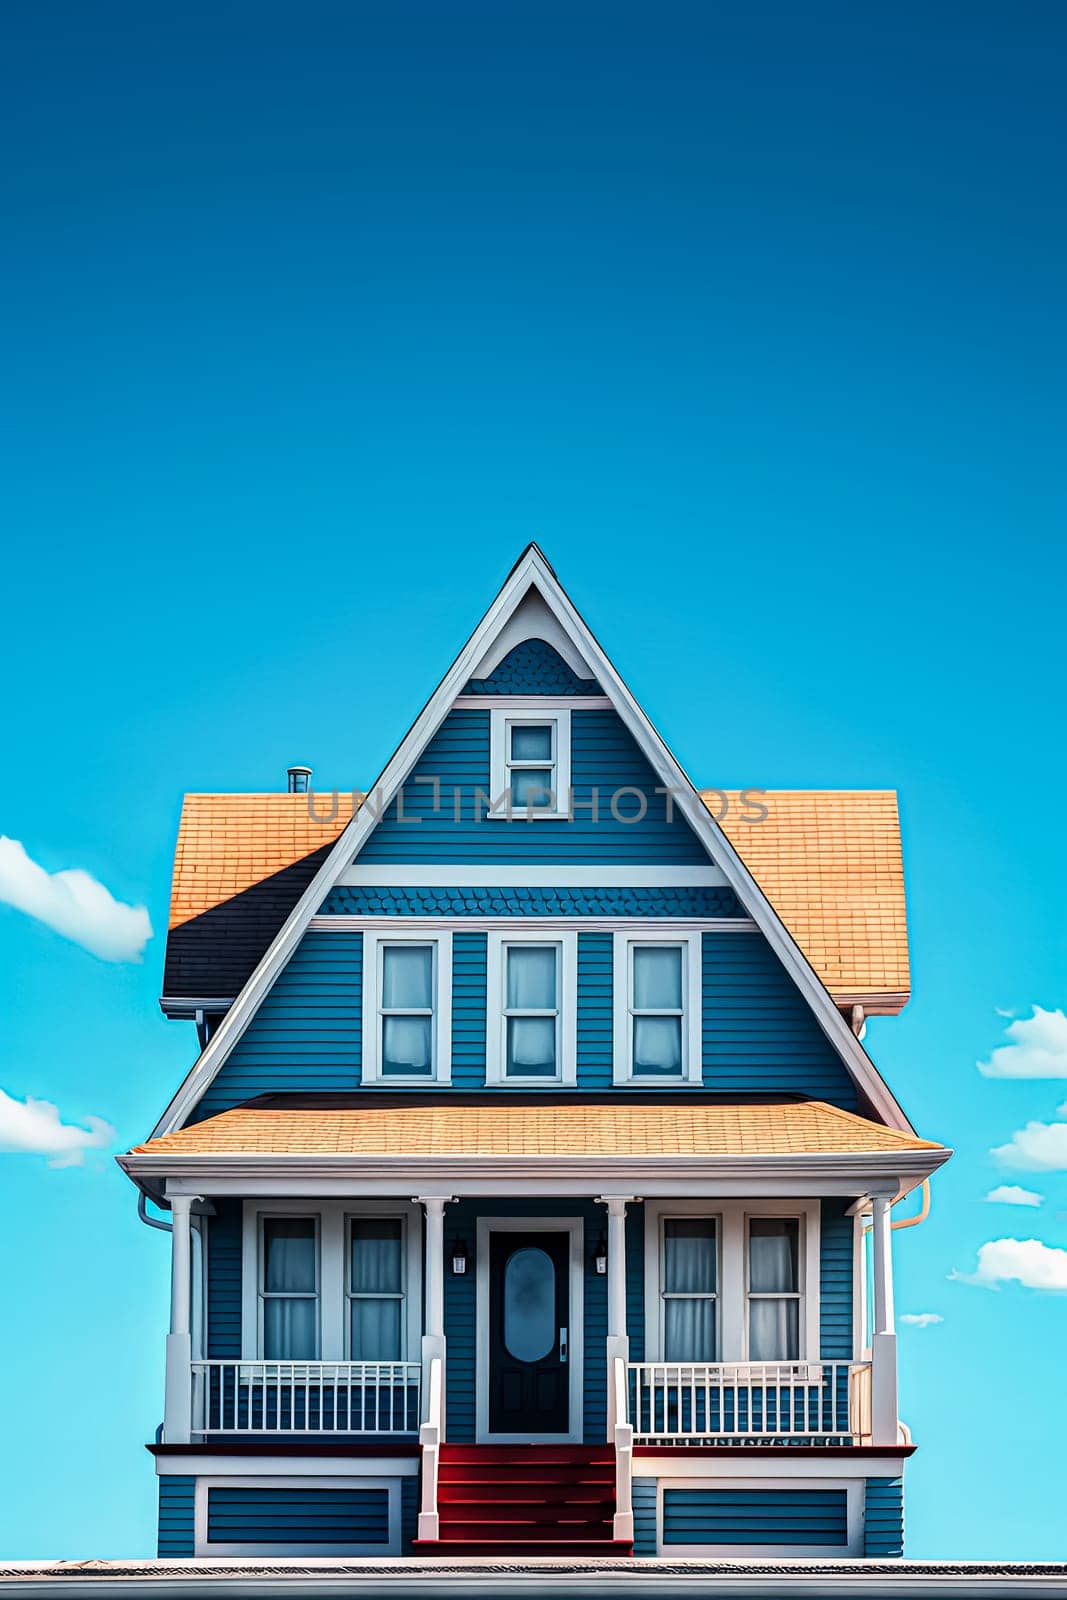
column 753, row 317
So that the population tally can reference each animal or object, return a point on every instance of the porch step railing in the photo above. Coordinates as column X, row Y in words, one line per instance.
column 750, row 1400
column 302, row 1397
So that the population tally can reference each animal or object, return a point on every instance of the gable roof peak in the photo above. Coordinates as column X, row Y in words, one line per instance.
column 533, row 549
column 533, row 569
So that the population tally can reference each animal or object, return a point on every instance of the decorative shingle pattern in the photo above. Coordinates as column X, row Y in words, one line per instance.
column 533, row 667
column 829, row 861
column 582, row 1129
column 519, row 902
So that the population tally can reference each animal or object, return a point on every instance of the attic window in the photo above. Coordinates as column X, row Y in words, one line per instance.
column 530, row 763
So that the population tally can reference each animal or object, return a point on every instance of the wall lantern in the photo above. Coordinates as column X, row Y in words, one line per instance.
column 460, row 1257
column 600, row 1255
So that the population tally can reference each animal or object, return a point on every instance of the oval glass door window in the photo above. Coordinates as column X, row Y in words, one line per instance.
column 529, row 1304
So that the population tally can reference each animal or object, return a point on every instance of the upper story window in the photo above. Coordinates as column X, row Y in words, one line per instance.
column 657, row 1009
column 530, row 762
column 531, row 1025
column 773, row 1288
column 289, row 1288
column 407, row 1009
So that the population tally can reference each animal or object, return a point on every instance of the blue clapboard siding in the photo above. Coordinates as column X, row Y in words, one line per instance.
column 306, row 1034
column 883, row 1522
column 224, row 1281
column 460, row 1308
column 594, row 1011
column 468, row 1010
column 759, row 1033
column 643, row 1492
column 368, row 900
column 176, row 1540
column 755, row 1516
column 533, row 667
column 836, row 1290
column 409, row 1512
column 604, row 756
column 313, row 1515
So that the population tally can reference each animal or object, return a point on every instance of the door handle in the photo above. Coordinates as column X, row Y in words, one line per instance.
column 563, row 1346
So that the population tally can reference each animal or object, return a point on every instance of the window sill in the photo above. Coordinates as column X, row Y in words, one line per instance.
column 518, row 814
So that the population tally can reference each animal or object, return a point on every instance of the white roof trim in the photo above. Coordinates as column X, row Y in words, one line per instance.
column 533, row 570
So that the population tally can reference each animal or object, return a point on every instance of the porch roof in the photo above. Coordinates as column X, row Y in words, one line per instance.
column 284, row 1126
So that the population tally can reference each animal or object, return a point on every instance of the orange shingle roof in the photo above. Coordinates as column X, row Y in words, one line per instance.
column 829, row 861
column 228, row 842
column 700, row 1129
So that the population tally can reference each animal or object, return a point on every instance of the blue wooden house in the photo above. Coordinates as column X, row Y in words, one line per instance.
column 532, row 1191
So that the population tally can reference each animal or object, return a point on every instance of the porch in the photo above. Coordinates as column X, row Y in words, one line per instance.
column 620, row 1297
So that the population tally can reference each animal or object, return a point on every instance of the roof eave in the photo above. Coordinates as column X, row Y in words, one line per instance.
column 852, row 1173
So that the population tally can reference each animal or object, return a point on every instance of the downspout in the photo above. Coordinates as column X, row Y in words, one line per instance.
column 152, row 1222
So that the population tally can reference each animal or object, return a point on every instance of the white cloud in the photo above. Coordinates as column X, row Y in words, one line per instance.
column 1009, row 1194
column 1039, row 1147
column 33, row 1127
column 1038, row 1048
column 920, row 1319
column 1026, row 1261
column 74, row 904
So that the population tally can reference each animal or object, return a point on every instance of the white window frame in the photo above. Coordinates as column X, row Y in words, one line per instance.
column 666, row 1216
column 441, row 1041
column 622, row 988
column 285, row 1214
column 356, row 1479
column 529, row 714
column 566, row 945
column 733, row 1218
column 334, row 1324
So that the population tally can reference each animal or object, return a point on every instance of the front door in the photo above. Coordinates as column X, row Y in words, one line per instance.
column 529, row 1322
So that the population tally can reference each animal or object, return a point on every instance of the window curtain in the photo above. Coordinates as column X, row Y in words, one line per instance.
column 290, row 1305
column 376, row 1269
column 407, row 984
column 657, row 986
column 690, row 1270
column 531, row 986
column 657, row 979
column 531, row 743
column 773, row 1269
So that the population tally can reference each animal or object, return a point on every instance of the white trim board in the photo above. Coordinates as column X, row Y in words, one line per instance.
column 353, row 921
column 211, row 1465
column 532, row 571
column 528, row 875
column 544, row 702
column 575, row 1229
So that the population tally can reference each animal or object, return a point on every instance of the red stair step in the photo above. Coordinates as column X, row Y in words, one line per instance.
column 520, row 1549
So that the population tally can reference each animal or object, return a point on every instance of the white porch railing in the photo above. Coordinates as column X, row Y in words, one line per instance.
column 750, row 1400
column 364, row 1397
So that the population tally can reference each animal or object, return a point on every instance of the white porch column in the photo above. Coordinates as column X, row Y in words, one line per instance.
column 178, row 1404
column 432, row 1430
column 433, row 1339
column 620, row 1432
column 884, row 1404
